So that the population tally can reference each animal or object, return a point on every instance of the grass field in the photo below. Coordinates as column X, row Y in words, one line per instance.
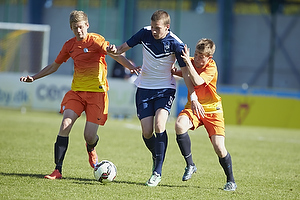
column 266, row 162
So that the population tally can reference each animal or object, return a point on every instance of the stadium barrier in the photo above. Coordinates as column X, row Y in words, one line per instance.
column 47, row 93
column 249, row 107
column 258, row 107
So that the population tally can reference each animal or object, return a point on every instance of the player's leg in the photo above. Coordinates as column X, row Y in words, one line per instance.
column 90, row 134
column 145, row 113
column 96, row 114
column 218, row 142
column 214, row 124
column 182, row 125
column 91, row 138
column 147, row 127
column 150, row 141
column 148, row 136
column 61, row 145
column 163, row 100
column 62, row 141
column 161, row 117
column 160, row 146
column 162, row 106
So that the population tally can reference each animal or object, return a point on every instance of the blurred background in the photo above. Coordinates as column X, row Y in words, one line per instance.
column 257, row 50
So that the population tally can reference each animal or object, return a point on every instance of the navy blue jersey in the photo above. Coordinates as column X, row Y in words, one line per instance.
column 159, row 56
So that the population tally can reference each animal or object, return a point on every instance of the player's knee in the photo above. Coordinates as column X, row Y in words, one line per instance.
column 67, row 122
column 91, row 138
column 66, row 126
column 160, row 126
column 179, row 128
column 92, row 141
column 160, row 129
column 147, row 135
column 220, row 151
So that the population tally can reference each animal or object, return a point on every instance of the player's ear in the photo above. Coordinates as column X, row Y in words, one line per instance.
column 87, row 24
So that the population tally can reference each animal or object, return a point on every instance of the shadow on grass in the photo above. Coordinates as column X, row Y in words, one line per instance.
column 23, row 175
column 92, row 181
column 41, row 176
column 160, row 185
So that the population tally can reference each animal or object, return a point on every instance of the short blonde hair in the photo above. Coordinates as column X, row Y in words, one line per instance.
column 161, row 15
column 78, row 16
column 206, row 46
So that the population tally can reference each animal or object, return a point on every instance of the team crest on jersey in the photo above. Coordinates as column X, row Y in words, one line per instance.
column 85, row 50
column 167, row 47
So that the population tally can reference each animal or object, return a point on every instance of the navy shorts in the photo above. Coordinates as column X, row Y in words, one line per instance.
column 147, row 101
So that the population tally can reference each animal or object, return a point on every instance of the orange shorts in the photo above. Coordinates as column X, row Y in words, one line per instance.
column 95, row 105
column 213, row 122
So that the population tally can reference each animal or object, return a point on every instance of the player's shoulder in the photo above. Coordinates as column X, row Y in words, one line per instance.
column 175, row 43
column 69, row 43
column 72, row 40
column 212, row 62
column 147, row 28
column 175, row 38
column 95, row 36
column 144, row 33
column 211, row 65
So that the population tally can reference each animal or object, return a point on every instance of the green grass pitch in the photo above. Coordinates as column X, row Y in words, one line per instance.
column 266, row 162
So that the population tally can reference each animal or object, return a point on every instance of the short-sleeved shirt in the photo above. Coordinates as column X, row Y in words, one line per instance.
column 90, row 68
column 159, row 56
column 207, row 92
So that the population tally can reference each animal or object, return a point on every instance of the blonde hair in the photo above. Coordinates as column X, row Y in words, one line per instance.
column 161, row 15
column 206, row 46
column 78, row 16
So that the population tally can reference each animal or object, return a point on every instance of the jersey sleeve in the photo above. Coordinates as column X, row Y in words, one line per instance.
column 63, row 55
column 178, row 54
column 209, row 72
column 102, row 44
column 136, row 38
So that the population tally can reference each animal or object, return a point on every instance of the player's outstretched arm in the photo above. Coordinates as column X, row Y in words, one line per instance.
column 126, row 63
column 44, row 72
column 113, row 49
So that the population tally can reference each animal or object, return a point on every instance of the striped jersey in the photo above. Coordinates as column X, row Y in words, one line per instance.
column 159, row 56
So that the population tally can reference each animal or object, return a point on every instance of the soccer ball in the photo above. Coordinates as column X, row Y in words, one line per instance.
column 105, row 171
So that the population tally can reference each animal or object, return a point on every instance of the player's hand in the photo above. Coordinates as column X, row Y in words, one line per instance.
column 112, row 49
column 186, row 54
column 136, row 70
column 27, row 79
column 173, row 70
column 197, row 109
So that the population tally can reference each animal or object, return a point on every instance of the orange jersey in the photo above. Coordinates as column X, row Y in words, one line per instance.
column 207, row 92
column 90, row 68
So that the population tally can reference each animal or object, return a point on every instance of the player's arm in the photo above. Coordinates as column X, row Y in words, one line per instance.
column 126, row 63
column 196, row 107
column 176, row 71
column 49, row 69
column 112, row 49
column 194, row 76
